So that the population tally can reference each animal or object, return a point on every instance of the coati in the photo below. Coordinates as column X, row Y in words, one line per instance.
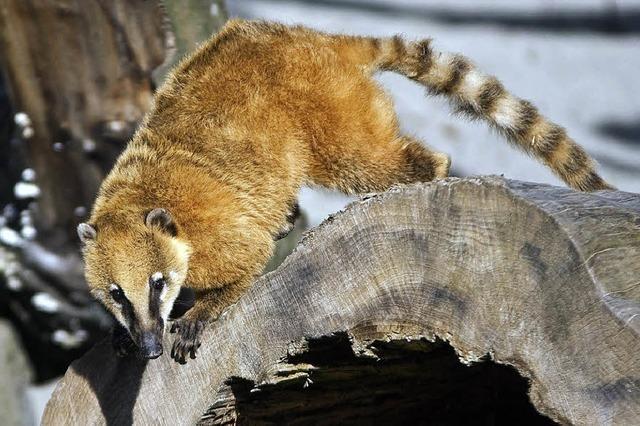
column 259, row 110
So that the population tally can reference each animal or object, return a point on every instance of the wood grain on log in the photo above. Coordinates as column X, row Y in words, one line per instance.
column 540, row 278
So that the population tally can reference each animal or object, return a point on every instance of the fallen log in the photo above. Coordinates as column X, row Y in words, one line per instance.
column 436, row 303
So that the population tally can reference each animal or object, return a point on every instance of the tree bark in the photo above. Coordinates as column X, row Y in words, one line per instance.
column 191, row 22
column 369, row 316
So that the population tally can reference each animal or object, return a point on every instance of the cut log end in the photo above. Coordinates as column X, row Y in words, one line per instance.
column 447, row 301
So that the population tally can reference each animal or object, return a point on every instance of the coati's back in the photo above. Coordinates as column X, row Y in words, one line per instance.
column 266, row 90
column 279, row 96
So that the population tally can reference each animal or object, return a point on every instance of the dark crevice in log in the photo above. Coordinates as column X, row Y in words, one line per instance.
column 407, row 382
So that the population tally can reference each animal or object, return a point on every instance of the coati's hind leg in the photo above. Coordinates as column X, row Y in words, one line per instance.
column 403, row 160
column 420, row 164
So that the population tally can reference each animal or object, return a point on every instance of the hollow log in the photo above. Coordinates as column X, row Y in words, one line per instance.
column 480, row 299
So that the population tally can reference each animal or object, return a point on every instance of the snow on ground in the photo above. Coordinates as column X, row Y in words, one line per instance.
column 561, row 55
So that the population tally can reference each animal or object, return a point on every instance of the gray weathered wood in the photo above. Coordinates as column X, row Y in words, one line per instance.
column 541, row 278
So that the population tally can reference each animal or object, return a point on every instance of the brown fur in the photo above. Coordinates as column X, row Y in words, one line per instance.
column 257, row 112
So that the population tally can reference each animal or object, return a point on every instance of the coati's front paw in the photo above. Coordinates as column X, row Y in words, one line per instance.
column 122, row 343
column 187, row 342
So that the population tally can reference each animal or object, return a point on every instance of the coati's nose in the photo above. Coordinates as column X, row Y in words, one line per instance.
column 150, row 346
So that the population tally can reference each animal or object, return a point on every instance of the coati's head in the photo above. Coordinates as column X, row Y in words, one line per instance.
column 136, row 270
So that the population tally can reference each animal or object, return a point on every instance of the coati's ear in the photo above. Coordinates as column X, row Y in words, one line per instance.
column 161, row 219
column 86, row 232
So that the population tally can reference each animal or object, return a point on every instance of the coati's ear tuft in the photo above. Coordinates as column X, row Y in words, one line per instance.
column 86, row 233
column 161, row 219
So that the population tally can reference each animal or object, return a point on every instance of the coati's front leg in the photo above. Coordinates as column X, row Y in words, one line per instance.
column 207, row 308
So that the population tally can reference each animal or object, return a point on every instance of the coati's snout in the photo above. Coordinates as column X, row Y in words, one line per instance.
column 150, row 330
column 150, row 345
column 144, row 321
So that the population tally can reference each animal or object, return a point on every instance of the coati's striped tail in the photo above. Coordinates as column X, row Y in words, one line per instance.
column 484, row 97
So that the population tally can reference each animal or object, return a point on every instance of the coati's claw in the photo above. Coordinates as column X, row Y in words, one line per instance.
column 122, row 343
column 284, row 232
column 292, row 216
column 187, row 339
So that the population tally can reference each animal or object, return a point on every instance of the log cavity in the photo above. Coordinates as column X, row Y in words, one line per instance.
column 415, row 381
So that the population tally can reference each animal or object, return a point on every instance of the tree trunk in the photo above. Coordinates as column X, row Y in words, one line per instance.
column 79, row 77
column 429, row 303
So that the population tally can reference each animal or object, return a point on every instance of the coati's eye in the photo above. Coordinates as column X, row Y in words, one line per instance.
column 117, row 294
column 156, row 281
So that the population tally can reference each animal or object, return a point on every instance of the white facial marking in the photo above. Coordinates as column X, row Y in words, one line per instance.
column 115, row 287
column 167, row 305
column 163, row 294
column 157, row 276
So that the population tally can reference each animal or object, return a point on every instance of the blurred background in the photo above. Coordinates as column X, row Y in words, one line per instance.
column 76, row 76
